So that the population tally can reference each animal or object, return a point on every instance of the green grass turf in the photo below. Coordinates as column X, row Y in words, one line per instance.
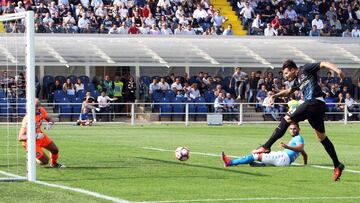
column 110, row 159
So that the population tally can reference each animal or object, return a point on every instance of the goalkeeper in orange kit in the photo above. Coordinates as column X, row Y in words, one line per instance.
column 42, row 140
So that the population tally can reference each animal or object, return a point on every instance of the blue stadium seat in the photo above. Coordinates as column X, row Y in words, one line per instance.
column 21, row 111
column 157, row 96
column 201, row 108
column 146, row 80
column 61, row 79
column 84, row 79
column 336, row 80
column 80, row 93
column 58, row 94
column 178, row 108
column 2, row 94
column 76, row 106
column 48, row 80
column 170, row 94
column 95, row 94
column 348, row 82
column 89, row 87
column 209, row 97
column 5, row 107
column 73, row 78
column 192, row 107
column 165, row 109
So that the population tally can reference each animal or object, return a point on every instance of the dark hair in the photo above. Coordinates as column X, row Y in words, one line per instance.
column 289, row 64
column 295, row 123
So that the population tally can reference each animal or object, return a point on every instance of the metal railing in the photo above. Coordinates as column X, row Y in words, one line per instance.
column 186, row 113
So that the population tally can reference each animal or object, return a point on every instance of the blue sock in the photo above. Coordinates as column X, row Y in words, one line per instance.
column 243, row 160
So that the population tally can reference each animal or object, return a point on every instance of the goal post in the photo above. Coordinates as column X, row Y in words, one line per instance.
column 28, row 19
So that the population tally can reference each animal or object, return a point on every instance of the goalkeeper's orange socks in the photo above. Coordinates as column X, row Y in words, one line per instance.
column 54, row 158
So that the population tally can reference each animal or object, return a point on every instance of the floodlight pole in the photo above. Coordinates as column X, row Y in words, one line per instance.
column 30, row 96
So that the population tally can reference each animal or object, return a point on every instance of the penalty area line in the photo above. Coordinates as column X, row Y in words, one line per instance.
column 219, row 155
column 74, row 189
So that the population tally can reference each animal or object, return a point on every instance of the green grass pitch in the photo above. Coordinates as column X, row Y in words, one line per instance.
column 111, row 160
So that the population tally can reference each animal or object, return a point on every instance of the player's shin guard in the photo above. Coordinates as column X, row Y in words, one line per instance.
column 54, row 158
column 277, row 134
column 243, row 160
column 330, row 149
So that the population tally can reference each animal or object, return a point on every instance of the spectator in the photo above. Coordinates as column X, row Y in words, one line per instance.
column 355, row 32
column 194, row 91
column 228, row 31
column 176, row 85
column 260, row 96
column 330, row 106
column 118, row 94
column 351, row 105
column 325, row 32
column 318, row 22
column 54, row 87
column 163, row 85
column 103, row 102
column 230, row 107
column 108, row 85
column 314, row 32
column 218, row 21
column 79, row 85
column 240, row 77
column 269, row 107
column 154, row 86
column 346, row 33
column 247, row 14
column 219, row 103
column 291, row 13
column 89, row 104
column 253, row 88
column 270, row 31
column 68, row 87
column 84, row 118
column 257, row 25
column 130, row 93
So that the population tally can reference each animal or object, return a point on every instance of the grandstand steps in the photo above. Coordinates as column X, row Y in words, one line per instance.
column 2, row 29
column 226, row 10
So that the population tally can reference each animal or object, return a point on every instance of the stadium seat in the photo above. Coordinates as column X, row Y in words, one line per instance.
column 201, row 108
column 73, row 78
column 209, row 97
column 192, row 107
column 48, row 80
column 178, row 109
column 21, row 111
column 95, row 94
column 58, row 94
column 146, row 80
column 84, row 79
column 165, row 107
column 89, row 87
column 80, row 93
column 76, row 105
column 170, row 94
column 157, row 96
column 61, row 79
column 2, row 94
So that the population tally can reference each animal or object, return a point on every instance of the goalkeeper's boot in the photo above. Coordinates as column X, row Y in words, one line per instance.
column 225, row 159
column 57, row 165
column 338, row 171
column 260, row 150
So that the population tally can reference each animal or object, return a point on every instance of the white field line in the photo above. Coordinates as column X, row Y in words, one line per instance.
column 218, row 155
column 254, row 199
column 74, row 189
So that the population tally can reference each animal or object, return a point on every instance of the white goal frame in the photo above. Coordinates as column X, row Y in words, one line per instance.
column 30, row 91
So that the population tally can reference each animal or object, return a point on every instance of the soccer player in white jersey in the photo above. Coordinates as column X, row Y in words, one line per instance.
column 280, row 158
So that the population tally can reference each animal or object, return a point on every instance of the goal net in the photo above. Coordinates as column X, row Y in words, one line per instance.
column 17, row 96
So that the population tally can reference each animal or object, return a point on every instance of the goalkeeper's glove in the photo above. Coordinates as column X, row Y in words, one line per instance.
column 49, row 125
column 39, row 135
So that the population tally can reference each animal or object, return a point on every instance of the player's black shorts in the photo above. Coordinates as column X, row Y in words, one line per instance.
column 313, row 110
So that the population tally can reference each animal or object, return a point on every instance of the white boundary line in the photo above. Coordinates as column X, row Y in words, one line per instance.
column 218, row 155
column 74, row 189
column 253, row 199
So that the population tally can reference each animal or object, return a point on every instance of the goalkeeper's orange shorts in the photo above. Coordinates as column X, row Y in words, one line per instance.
column 40, row 143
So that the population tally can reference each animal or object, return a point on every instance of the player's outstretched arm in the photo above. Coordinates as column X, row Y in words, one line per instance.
column 22, row 132
column 333, row 67
column 305, row 157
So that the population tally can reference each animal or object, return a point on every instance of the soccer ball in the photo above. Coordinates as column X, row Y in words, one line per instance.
column 182, row 153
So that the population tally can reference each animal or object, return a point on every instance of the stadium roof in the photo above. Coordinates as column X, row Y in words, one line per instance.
column 179, row 51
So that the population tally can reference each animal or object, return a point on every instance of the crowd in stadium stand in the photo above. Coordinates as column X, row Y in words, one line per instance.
column 220, row 94
column 164, row 17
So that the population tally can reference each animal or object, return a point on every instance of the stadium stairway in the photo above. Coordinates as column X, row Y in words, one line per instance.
column 2, row 29
column 226, row 10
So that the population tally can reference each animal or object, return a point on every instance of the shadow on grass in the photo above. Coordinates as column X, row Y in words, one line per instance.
column 200, row 166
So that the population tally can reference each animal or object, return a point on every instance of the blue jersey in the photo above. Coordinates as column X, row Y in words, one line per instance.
column 307, row 81
column 84, row 116
column 293, row 143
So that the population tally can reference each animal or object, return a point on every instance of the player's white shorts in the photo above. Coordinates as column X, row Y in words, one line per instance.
column 276, row 159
